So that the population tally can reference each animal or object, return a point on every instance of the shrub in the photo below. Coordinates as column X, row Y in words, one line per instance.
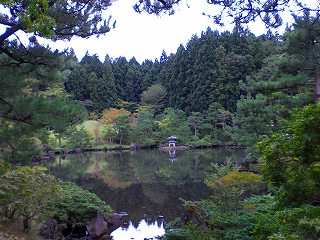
column 26, row 192
column 78, row 207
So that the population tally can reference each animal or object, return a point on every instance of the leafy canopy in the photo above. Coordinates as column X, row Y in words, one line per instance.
column 291, row 158
column 27, row 192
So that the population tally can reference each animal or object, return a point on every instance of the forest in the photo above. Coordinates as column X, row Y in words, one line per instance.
column 227, row 88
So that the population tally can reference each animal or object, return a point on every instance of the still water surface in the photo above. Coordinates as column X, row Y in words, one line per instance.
column 146, row 184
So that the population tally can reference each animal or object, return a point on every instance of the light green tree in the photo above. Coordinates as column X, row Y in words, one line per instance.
column 26, row 192
column 154, row 96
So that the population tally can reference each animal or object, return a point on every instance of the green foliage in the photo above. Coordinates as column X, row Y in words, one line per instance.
column 167, row 124
column 191, row 232
column 122, row 126
column 154, row 96
column 218, row 123
column 54, row 20
column 26, row 192
column 231, row 211
column 144, row 130
column 195, row 121
column 78, row 206
column 285, row 81
column 35, row 17
column 128, row 79
column 18, row 142
column 291, row 158
column 61, row 114
column 218, row 171
column 93, row 82
column 289, row 223
column 254, row 120
column 27, row 110
column 4, row 167
column 211, row 69
column 78, row 137
column 230, row 186
column 239, row 223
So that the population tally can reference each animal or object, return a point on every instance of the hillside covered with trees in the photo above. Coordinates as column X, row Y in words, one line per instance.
column 224, row 88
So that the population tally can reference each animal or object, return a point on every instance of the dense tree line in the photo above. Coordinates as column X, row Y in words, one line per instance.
column 230, row 87
column 240, row 86
column 209, row 69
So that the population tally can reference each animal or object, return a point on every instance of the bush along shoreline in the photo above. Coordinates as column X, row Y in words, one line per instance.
column 57, row 209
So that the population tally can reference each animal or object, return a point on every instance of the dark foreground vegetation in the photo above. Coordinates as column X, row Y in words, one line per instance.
column 221, row 88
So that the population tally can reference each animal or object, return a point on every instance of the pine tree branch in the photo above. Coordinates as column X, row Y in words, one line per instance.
column 9, row 32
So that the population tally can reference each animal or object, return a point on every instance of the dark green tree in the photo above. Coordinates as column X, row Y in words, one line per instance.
column 93, row 82
column 302, row 45
column 195, row 121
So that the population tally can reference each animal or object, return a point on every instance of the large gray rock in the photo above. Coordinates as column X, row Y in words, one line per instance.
column 49, row 230
column 133, row 147
column 97, row 227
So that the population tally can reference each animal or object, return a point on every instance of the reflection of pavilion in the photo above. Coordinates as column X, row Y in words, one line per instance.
column 172, row 155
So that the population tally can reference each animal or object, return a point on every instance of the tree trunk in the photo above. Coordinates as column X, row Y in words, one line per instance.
column 59, row 138
column 26, row 224
column 12, row 150
column 121, row 136
column 317, row 90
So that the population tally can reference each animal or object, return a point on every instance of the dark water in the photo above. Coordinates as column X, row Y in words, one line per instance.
column 147, row 185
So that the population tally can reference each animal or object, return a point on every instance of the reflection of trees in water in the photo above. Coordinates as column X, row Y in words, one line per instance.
column 144, row 182
column 121, row 169
column 151, row 200
column 72, row 167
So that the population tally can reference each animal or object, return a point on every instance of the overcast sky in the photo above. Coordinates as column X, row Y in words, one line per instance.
column 145, row 36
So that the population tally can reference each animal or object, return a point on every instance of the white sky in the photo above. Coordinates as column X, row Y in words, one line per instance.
column 144, row 36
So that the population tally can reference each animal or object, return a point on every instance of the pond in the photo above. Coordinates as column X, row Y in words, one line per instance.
column 146, row 184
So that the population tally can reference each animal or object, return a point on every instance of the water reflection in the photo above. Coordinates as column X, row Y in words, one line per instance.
column 143, row 182
column 144, row 230
column 172, row 155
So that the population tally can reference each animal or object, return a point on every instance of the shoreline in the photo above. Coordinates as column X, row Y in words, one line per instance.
column 50, row 155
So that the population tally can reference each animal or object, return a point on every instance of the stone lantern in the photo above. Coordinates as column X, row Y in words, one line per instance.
column 172, row 141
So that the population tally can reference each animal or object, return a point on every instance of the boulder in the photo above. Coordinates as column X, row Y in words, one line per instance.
column 114, row 221
column 97, row 227
column 77, row 150
column 49, row 230
column 133, row 147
